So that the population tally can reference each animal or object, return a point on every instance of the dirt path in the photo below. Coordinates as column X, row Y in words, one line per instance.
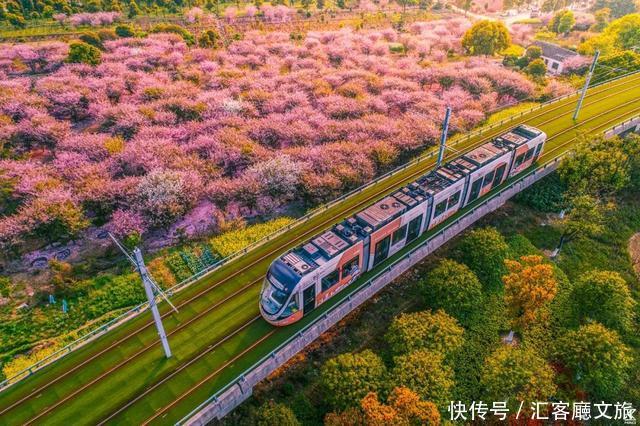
column 634, row 252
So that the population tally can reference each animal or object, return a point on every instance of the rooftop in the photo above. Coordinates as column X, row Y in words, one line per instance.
column 553, row 51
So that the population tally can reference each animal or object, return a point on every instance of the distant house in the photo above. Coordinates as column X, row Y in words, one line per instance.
column 554, row 55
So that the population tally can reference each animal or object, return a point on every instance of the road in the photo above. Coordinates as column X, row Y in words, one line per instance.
column 123, row 377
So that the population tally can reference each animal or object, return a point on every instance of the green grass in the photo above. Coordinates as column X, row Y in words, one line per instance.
column 102, row 398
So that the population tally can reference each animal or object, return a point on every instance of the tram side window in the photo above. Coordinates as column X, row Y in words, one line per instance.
column 538, row 149
column 330, row 280
column 350, row 267
column 488, row 178
column 399, row 235
column 519, row 159
column 453, row 200
column 529, row 155
column 440, row 208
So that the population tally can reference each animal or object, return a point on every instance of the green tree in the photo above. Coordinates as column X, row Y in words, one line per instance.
column 349, row 377
column 631, row 147
column 483, row 251
column 209, row 39
column 517, row 374
column 597, row 166
column 406, row 3
column 603, row 296
column 602, row 17
column 80, row 52
column 598, row 359
column 453, row 287
column 567, row 21
column 533, row 52
column 584, row 218
column 425, row 373
column 320, row 4
column 274, row 414
column 16, row 20
column 618, row 8
column 134, row 10
column 436, row 332
column 175, row 29
column 486, row 38
column 537, row 68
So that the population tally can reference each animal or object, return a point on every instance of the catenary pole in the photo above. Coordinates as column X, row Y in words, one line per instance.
column 148, row 289
column 586, row 85
column 443, row 138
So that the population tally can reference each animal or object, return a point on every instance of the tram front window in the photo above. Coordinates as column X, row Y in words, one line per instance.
column 272, row 297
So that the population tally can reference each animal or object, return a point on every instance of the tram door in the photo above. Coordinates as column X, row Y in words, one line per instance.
column 309, row 299
column 497, row 179
column 382, row 249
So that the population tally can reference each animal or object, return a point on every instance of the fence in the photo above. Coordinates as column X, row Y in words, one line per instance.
column 133, row 312
column 631, row 125
column 241, row 388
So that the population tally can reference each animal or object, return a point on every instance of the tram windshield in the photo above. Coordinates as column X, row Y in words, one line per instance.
column 273, row 295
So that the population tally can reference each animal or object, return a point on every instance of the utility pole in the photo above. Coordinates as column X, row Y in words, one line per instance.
column 150, row 289
column 443, row 138
column 586, row 85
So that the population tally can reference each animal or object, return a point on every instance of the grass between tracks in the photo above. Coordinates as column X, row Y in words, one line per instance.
column 133, row 377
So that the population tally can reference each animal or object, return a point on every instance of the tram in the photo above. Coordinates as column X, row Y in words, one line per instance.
column 307, row 276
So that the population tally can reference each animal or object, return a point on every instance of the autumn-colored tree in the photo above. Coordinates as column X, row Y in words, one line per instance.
column 409, row 406
column 425, row 373
column 453, row 287
column 517, row 374
column 434, row 331
column 528, row 287
column 598, row 359
column 350, row 417
column 484, row 251
column 486, row 38
column 603, row 296
column 347, row 378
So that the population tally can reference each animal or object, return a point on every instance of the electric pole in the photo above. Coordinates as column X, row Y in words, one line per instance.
column 443, row 138
column 586, row 85
column 150, row 289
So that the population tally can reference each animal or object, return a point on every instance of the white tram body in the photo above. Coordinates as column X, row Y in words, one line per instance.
column 308, row 275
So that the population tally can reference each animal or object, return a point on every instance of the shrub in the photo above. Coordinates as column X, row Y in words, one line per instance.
column 436, row 332
column 84, row 53
column 233, row 241
column 349, row 377
column 107, row 34
column 453, row 287
column 209, row 39
column 125, row 30
column 92, row 39
column 175, row 29
column 546, row 195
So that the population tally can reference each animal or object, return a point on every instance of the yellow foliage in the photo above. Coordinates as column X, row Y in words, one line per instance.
column 114, row 145
column 233, row 241
column 20, row 362
column 513, row 49
column 508, row 112
column 161, row 273
column 528, row 287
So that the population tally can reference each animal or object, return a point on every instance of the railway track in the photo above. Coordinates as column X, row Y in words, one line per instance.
column 182, row 326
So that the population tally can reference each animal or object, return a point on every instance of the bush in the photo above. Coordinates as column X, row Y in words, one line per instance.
column 349, row 377
column 92, row 39
column 425, row 373
column 484, row 251
column 209, row 39
column 233, row 241
column 436, row 332
column 84, row 53
column 107, row 34
column 175, row 29
column 453, row 287
column 125, row 30
column 546, row 195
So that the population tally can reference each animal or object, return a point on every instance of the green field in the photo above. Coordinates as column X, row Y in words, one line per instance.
column 123, row 376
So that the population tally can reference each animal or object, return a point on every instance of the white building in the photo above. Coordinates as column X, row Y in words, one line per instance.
column 554, row 55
